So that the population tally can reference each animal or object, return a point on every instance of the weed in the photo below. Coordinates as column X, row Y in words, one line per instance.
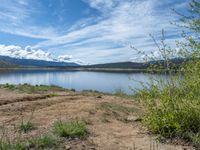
column 52, row 95
column 44, row 141
column 120, row 93
column 26, row 127
column 118, row 108
column 8, row 86
column 74, row 128
column 16, row 145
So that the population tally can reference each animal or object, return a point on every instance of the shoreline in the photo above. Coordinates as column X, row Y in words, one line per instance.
column 109, row 70
column 79, row 69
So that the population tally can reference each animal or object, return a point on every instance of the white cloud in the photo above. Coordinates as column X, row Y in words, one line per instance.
column 102, row 5
column 70, row 58
column 65, row 57
column 123, row 23
column 106, row 38
column 29, row 53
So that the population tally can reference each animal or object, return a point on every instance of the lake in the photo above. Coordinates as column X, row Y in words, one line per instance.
column 108, row 82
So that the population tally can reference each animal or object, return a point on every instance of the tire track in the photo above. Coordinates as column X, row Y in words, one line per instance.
column 30, row 98
column 36, row 104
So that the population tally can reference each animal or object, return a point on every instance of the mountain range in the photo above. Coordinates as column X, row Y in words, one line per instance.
column 4, row 64
column 16, row 62
column 10, row 62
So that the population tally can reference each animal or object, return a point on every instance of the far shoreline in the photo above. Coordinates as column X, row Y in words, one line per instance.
column 85, row 69
column 121, row 70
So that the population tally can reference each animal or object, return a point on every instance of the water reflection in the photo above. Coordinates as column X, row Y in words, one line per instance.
column 79, row 80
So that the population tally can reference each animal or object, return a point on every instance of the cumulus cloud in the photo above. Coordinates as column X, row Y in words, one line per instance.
column 70, row 58
column 65, row 57
column 29, row 53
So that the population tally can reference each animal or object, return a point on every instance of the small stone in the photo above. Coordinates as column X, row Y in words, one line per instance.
column 133, row 118
column 67, row 147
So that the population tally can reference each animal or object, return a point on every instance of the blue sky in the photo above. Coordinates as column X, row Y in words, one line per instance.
column 85, row 31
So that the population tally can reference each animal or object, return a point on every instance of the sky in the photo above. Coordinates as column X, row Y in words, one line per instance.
column 86, row 31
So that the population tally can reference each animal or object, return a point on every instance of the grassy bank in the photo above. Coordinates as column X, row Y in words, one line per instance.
column 27, row 88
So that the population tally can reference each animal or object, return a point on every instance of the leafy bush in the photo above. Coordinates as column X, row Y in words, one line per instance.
column 173, row 105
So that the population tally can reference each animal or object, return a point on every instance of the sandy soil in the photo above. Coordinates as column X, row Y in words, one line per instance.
column 109, row 129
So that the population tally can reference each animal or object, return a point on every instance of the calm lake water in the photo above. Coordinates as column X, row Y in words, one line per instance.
column 79, row 80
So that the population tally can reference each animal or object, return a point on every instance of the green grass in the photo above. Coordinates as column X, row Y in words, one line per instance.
column 8, row 86
column 44, row 141
column 52, row 95
column 74, row 128
column 118, row 108
column 8, row 145
column 117, row 111
column 120, row 93
column 41, row 142
column 30, row 88
column 26, row 127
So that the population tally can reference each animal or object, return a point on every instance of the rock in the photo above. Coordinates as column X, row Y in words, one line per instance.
column 67, row 147
column 133, row 118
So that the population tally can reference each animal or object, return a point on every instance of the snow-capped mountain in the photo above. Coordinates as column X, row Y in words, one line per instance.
column 31, row 57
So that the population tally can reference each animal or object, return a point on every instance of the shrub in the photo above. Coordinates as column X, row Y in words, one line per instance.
column 9, row 86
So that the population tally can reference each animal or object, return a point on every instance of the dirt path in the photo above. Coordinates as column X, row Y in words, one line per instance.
column 111, row 120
